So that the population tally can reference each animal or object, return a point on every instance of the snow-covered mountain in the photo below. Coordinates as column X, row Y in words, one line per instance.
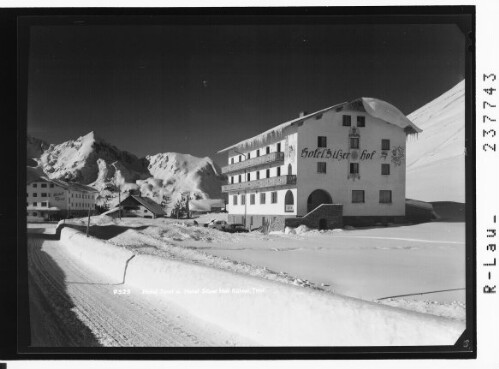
column 34, row 148
column 435, row 158
column 89, row 160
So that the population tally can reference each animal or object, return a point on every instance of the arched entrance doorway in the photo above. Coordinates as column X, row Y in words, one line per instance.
column 317, row 198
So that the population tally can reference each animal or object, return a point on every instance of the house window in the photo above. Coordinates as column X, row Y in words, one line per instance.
column 262, row 198
column 290, row 169
column 361, row 121
column 44, row 203
column 321, row 167
column 354, row 168
column 44, row 194
column 35, row 194
column 248, row 177
column 232, row 179
column 385, row 196
column 239, row 178
column 35, row 185
column 35, row 214
column 43, row 185
column 240, row 158
column 267, row 173
column 234, row 200
column 258, row 174
column 385, row 169
column 289, row 201
column 321, row 141
column 35, row 204
column 347, row 120
column 354, row 142
column 267, row 150
column 278, row 171
column 258, row 153
column 252, row 199
column 358, row 196
column 51, row 185
column 145, row 210
column 278, row 147
column 385, row 144
column 273, row 197
column 232, row 160
column 243, row 199
column 249, row 155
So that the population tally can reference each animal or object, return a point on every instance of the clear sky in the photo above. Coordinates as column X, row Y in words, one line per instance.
column 198, row 89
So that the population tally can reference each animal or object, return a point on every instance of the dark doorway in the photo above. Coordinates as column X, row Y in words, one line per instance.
column 317, row 198
column 322, row 223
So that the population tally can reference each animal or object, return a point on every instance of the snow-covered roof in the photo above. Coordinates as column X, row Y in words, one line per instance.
column 376, row 108
column 148, row 203
column 33, row 175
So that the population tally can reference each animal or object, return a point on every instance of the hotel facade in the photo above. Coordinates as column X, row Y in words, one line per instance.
column 343, row 165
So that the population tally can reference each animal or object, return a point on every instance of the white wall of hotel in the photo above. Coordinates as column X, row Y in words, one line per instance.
column 299, row 142
column 43, row 198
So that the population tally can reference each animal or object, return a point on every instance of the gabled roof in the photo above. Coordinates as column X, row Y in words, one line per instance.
column 376, row 108
column 34, row 175
column 148, row 203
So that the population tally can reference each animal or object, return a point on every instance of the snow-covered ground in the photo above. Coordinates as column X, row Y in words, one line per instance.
column 370, row 264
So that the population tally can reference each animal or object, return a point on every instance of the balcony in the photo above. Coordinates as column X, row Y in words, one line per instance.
column 272, row 158
column 260, row 184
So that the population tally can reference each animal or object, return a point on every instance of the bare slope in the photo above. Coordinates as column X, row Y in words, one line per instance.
column 435, row 159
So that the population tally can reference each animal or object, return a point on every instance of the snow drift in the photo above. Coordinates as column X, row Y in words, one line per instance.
column 266, row 312
column 435, row 159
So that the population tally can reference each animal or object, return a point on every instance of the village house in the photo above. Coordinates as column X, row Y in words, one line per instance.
column 137, row 206
column 53, row 199
column 341, row 165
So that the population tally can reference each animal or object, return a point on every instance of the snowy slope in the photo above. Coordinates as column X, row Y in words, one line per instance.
column 89, row 159
column 435, row 158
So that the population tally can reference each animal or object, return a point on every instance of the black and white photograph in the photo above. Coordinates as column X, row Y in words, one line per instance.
column 247, row 181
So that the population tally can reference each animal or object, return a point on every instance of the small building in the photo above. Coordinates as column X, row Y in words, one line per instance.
column 138, row 206
column 341, row 165
column 53, row 199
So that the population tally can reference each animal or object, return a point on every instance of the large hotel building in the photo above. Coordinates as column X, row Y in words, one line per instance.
column 343, row 165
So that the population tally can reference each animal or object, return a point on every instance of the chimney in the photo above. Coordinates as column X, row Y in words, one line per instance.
column 302, row 114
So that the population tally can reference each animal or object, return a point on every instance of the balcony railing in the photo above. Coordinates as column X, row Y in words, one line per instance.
column 260, row 183
column 272, row 158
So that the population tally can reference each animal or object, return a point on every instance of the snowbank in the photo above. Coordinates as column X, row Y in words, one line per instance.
column 267, row 312
column 106, row 258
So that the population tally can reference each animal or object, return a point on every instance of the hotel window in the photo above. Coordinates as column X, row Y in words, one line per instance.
column 232, row 160
column 354, row 142
column 278, row 147
column 35, row 204
column 44, row 194
column 267, row 150
column 358, row 196
column 385, row 196
column 234, row 200
column 44, row 204
column 248, row 177
column 361, row 121
column 239, row 178
column 258, row 153
column 262, row 198
column 321, row 167
column 35, row 185
column 385, row 169
column 35, row 194
column 240, row 158
column 252, row 199
column 243, row 199
column 347, row 121
column 354, row 168
column 321, row 141
column 273, row 197
column 267, row 173
column 385, row 144
column 43, row 185
column 278, row 171
column 35, row 213
column 257, row 174
column 232, row 180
